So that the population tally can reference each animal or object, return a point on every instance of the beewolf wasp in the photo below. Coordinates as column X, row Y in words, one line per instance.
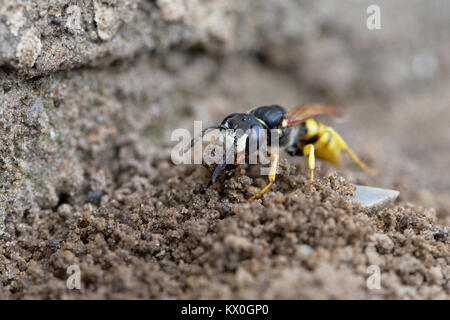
column 298, row 133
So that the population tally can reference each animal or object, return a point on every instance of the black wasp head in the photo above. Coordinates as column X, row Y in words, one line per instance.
column 242, row 133
column 245, row 129
column 248, row 132
column 241, row 121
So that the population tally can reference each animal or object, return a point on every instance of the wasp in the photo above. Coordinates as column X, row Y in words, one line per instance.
column 298, row 133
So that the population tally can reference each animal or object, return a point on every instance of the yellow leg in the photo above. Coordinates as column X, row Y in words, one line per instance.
column 308, row 150
column 341, row 143
column 272, row 174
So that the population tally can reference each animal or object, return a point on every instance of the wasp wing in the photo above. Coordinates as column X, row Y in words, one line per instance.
column 301, row 113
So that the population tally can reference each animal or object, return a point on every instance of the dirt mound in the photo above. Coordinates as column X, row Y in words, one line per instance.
column 162, row 232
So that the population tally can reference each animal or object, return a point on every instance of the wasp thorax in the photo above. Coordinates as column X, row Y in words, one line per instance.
column 271, row 116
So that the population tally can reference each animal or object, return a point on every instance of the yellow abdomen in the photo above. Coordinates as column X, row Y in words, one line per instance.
column 326, row 147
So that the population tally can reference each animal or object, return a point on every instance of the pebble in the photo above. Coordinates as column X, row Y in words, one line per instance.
column 375, row 198
column 94, row 197
column 29, row 48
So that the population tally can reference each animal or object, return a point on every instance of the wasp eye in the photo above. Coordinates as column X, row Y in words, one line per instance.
column 228, row 121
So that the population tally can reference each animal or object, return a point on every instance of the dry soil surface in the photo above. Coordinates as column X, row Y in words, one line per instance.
column 159, row 231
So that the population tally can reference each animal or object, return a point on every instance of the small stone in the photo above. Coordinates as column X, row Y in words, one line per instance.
column 375, row 198
column 15, row 18
column 304, row 250
column 108, row 22
column 94, row 196
column 29, row 48
column 383, row 242
column 65, row 210
column 441, row 236
column 73, row 20
column 36, row 115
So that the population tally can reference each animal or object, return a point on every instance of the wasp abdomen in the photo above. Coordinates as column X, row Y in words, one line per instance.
column 316, row 133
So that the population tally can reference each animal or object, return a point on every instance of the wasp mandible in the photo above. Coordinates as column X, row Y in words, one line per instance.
column 299, row 134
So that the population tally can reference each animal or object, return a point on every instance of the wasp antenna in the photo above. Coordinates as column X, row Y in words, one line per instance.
column 190, row 145
column 193, row 141
column 216, row 172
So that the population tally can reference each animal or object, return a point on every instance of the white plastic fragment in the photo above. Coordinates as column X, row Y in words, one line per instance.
column 375, row 198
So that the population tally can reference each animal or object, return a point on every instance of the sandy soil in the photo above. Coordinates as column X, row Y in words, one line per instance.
column 86, row 176
column 159, row 232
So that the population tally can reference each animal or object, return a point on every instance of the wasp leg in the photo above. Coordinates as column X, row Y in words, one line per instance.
column 308, row 150
column 272, row 174
column 341, row 143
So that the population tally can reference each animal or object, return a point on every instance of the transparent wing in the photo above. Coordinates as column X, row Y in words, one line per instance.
column 301, row 113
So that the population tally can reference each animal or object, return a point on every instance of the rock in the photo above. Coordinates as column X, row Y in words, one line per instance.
column 383, row 242
column 94, row 197
column 36, row 115
column 29, row 48
column 73, row 21
column 441, row 236
column 15, row 18
column 375, row 198
column 107, row 21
